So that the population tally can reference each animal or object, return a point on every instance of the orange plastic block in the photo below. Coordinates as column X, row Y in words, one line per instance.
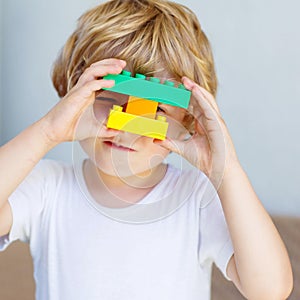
column 141, row 107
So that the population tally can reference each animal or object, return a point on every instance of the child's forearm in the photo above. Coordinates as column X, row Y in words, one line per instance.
column 61, row 124
column 261, row 259
column 20, row 155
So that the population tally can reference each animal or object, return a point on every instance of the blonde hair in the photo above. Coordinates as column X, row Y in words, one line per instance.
column 148, row 34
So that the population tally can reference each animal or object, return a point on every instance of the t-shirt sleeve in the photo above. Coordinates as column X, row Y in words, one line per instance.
column 214, row 239
column 27, row 204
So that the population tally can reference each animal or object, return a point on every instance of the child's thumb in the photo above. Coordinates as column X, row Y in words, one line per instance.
column 171, row 145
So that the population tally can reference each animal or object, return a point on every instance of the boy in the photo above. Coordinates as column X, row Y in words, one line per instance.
column 79, row 253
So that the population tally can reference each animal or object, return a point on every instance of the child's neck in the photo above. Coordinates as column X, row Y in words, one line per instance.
column 113, row 191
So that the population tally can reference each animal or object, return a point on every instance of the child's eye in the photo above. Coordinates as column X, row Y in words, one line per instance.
column 160, row 109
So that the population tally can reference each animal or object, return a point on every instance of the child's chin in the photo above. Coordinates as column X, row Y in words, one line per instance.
column 113, row 169
column 122, row 171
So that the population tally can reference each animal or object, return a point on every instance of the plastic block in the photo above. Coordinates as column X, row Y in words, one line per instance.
column 141, row 107
column 137, row 124
column 150, row 89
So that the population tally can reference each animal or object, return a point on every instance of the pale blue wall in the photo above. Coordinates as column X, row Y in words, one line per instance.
column 256, row 45
column 1, row 46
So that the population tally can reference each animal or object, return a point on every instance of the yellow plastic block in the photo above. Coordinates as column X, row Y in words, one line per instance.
column 141, row 107
column 137, row 124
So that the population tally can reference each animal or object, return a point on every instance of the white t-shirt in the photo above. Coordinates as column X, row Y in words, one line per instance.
column 82, row 253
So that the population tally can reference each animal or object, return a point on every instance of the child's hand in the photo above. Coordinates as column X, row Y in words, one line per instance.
column 210, row 149
column 73, row 117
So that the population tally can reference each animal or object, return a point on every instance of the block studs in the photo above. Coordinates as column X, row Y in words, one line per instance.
column 126, row 73
column 169, row 83
column 117, row 108
column 154, row 79
column 140, row 76
column 161, row 118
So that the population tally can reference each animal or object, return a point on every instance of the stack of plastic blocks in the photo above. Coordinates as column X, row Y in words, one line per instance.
column 144, row 95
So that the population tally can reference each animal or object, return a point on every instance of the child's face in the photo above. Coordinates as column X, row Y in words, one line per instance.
column 129, row 154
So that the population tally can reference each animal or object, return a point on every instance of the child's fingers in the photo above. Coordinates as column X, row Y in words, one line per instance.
column 73, row 116
column 191, row 85
column 110, row 61
column 86, row 91
column 193, row 150
column 104, row 132
column 201, row 102
column 95, row 130
column 78, row 104
column 199, row 127
column 209, row 122
column 96, row 71
column 101, row 68
column 171, row 145
column 87, row 126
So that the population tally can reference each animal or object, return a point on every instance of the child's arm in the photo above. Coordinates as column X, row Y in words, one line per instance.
column 17, row 159
column 72, row 118
column 260, row 266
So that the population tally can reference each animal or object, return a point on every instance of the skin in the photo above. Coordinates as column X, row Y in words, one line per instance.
column 260, row 267
column 128, row 175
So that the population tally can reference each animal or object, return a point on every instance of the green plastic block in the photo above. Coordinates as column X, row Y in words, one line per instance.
column 150, row 89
